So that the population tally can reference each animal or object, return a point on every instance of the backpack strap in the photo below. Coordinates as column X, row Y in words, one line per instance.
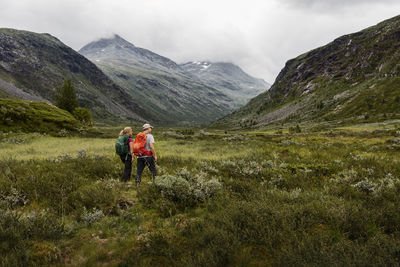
column 127, row 143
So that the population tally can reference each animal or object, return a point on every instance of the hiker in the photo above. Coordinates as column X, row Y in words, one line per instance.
column 124, row 148
column 145, row 152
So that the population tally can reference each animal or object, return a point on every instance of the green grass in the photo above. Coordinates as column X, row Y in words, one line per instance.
column 309, row 199
column 40, row 147
column 374, row 126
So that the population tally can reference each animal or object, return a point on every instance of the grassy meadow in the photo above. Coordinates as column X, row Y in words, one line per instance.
column 221, row 198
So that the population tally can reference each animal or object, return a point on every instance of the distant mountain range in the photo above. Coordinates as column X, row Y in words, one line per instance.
column 355, row 78
column 170, row 92
column 229, row 79
column 32, row 65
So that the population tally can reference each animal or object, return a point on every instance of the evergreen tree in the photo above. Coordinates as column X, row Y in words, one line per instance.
column 65, row 96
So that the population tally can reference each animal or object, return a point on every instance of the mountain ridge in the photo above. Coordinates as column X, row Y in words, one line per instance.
column 166, row 89
column 346, row 80
column 228, row 78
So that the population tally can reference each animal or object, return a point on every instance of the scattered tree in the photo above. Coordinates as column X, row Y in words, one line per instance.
column 65, row 96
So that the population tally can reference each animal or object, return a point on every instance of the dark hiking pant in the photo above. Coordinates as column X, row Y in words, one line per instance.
column 141, row 163
column 127, row 160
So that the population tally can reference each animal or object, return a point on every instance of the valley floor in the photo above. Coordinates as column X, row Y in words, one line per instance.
column 221, row 198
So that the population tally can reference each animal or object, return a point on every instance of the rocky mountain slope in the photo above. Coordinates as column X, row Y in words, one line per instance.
column 169, row 94
column 32, row 65
column 172, row 93
column 354, row 78
column 229, row 79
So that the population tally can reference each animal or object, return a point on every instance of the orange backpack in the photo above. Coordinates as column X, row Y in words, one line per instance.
column 139, row 145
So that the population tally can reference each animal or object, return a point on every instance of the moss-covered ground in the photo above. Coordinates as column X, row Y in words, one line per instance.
column 220, row 199
column 33, row 116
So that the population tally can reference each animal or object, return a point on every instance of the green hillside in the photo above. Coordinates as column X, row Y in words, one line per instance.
column 34, row 116
column 355, row 78
column 32, row 65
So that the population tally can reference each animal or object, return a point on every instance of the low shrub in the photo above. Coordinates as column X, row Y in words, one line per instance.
column 184, row 189
column 19, row 232
column 94, row 195
column 91, row 216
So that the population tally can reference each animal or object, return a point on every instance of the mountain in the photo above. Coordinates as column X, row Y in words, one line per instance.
column 167, row 92
column 354, row 78
column 229, row 79
column 32, row 65
column 186, row 93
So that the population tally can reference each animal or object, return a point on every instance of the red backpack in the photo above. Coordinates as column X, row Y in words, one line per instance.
column 139, row 145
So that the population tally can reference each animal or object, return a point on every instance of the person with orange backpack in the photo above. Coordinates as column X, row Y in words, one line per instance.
column 143, row 148
column 124, row 148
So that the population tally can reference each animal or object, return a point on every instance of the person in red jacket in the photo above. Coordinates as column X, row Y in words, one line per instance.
column 149, row 158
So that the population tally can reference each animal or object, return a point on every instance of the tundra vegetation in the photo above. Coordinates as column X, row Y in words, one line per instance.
column 275, row 197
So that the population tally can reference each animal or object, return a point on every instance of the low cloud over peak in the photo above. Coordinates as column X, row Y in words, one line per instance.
column 258, row 35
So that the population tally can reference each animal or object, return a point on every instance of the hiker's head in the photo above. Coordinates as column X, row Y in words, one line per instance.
column 147, row 128
column 126, row 130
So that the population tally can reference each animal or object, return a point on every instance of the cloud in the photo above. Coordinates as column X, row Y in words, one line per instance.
column 258, row 35
column 329, row 6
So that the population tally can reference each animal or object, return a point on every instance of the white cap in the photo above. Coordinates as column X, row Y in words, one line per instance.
column 146, row 126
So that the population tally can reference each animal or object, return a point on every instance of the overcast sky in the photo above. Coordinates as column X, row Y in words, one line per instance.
column 258, row 35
